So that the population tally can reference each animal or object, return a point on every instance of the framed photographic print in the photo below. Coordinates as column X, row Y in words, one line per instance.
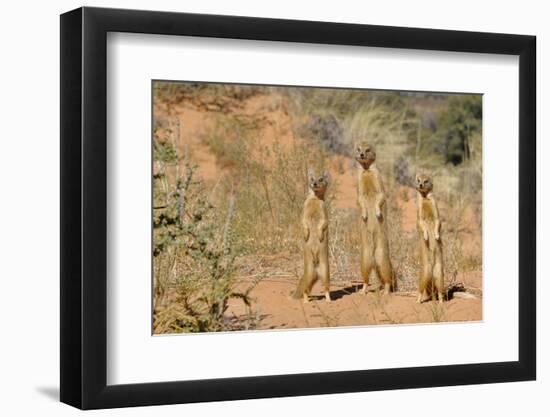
column 354, row 202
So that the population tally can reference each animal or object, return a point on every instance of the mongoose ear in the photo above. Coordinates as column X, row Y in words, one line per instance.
column 310, row 175
column 326, row 176
column 417, row 177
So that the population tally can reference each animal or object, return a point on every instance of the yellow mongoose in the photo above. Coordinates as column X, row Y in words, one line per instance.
column 375, row 252
column 431, row 278
column 315, row 230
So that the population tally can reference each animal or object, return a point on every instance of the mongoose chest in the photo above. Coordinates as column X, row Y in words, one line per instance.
column 427, row 209
column 313, row 209
column 368, row 181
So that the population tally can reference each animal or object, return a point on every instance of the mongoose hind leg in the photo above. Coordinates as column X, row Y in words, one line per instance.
column 424, row 281
column 326, row 286
column 323, row 272
column 367, row 265
column 422, row 290
column 383, row 268
column 312, row 282
column 422, row 296
column 439, row 281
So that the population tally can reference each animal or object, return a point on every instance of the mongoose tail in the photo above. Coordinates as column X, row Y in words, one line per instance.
column 300, row 289
column 307, row 281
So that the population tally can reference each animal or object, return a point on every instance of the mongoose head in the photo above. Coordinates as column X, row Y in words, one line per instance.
column 424, row 184
column 318, row 183
column 364, row 154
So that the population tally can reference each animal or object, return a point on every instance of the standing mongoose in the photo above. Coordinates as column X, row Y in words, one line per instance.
column 315, row 232
column 375, row 251
column 428, row 225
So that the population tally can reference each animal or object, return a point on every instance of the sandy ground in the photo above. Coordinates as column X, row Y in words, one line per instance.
column 349, row 307
column 274, row 308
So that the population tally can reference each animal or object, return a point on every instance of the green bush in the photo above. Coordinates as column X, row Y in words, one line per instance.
column 194, row 258
column 458, row 126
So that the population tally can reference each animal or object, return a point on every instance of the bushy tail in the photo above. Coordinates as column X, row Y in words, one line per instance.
column 300, row 288
column 305, row 281
column 394, row 287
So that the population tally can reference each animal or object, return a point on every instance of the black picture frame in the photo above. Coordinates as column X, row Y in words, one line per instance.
column 84, row 207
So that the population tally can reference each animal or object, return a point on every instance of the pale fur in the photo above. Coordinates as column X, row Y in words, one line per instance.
column 315, row 233
column 431, row 279
column 371, row 198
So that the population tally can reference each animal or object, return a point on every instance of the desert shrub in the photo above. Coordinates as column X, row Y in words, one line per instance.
column 326, row 130
column 229, row 140
column 402, row 172
column 337, row 117
column 458, row 126
column 194, row 255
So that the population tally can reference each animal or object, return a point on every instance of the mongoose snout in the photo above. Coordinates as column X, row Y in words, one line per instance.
column 424, row 184
column 364, row 154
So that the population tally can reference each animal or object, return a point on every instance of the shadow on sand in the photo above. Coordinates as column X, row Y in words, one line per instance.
column 336, row 295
